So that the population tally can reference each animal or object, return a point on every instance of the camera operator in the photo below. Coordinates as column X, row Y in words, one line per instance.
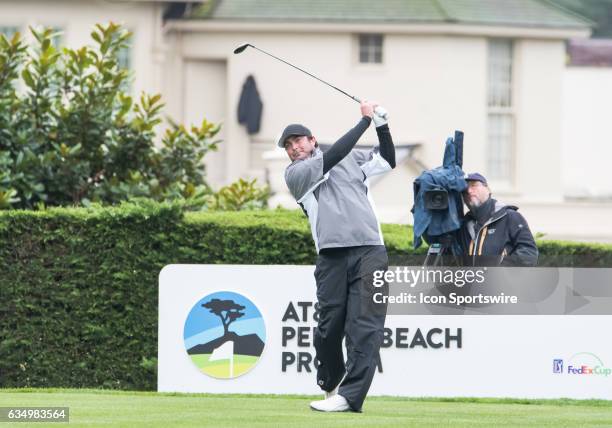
column 492, row 233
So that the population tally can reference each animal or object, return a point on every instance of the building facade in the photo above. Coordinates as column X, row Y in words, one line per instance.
column 495, row 69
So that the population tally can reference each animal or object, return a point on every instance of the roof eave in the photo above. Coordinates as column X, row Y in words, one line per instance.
column 458, row 29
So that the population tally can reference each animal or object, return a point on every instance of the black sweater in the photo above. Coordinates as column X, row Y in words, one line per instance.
column 345, row 144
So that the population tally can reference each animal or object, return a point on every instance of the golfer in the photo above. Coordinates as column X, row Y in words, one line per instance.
column 332, row 187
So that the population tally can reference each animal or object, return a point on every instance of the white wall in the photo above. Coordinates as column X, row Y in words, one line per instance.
column 205, row 98
column 539, row 72
column 587, row 132
column 78, row 18
column 431, row 85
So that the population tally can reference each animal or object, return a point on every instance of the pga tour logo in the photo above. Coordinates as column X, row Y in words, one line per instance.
column 224, row 335
column 582, row 363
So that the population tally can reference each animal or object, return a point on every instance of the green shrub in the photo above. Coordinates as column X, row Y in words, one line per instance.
column 79, row 286
column 240, row 195
column 70, row 135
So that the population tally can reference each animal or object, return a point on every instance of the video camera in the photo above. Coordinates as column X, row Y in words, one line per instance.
column 438, row 204
column 436, row 199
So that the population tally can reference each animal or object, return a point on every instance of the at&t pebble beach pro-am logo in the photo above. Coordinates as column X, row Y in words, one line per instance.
column 224, row 335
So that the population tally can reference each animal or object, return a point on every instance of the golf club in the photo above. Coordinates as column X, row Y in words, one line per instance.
column 381, row 112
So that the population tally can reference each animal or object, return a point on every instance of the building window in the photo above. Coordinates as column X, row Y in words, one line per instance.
column 124, row 57
column 370, row 48
column 500, row 123
column 8, row 31
column 58, row 37
column 124, row 61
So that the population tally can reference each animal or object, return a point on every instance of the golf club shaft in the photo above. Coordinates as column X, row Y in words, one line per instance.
column 311, row 75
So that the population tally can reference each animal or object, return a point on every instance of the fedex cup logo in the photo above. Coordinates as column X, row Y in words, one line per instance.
column 224, row 335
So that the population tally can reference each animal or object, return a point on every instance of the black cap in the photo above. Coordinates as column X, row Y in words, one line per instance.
column 295, row 129
column 477, row 177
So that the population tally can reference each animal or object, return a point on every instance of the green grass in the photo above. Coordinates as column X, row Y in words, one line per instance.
column 221, row 368
column 134, row 409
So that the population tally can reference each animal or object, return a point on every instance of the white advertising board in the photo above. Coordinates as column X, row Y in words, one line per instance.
column 249, row 329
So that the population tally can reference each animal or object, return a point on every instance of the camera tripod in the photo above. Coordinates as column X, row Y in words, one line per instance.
column 440, row 246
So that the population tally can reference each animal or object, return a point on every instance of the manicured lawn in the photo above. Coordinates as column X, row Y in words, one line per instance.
column 221, row 368
column 150, row 409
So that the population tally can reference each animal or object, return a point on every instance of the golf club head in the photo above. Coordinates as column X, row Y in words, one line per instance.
column 241, row 48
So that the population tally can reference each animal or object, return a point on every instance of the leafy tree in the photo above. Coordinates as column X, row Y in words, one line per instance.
column 227, row 310
column 69, row 135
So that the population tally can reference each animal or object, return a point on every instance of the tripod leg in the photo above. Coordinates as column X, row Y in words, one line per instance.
column 440, row 257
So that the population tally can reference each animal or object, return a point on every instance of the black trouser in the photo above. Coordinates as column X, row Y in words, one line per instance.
column 345, row 293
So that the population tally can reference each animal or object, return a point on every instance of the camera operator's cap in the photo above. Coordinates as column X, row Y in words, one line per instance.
column 295, row 129
column 477, row 177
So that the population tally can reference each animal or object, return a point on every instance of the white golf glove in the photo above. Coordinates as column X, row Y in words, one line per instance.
column 380, row 116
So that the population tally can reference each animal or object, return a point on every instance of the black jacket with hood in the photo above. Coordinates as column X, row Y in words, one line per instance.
column 501, row 238
column 250, row 106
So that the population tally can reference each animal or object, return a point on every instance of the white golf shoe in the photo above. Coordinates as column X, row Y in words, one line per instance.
column 335, row 403
column 329, row 394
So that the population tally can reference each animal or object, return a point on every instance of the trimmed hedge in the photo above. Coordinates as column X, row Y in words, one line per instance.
column 79, row 287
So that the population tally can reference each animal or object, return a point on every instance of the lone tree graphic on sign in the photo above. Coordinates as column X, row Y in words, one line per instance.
column 231, row 353
column 227, row 310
